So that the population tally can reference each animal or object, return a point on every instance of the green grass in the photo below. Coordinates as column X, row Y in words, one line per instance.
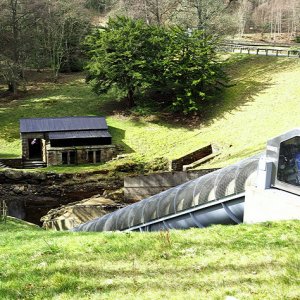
column 262, row 102
column 247, row 262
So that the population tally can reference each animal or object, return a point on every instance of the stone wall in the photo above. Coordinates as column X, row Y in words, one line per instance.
column 54, row 154
column 25, row 145
column 15, row 163
column 30, row 195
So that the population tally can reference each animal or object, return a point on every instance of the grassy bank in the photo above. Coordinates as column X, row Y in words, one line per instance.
column 262, row 102
column 247, row 262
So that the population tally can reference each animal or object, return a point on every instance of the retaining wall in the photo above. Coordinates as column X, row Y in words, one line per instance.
column 144, row 186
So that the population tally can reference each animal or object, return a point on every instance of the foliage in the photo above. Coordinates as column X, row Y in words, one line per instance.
column 190, row 68
column 125, row 54
column 243, row 261
column 157, row 164
column 101, row 6
column 240, row 121
column 40, row 34
column 137, row 57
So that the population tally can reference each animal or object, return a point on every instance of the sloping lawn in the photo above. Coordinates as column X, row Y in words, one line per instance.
column 262, row 102
column 247, row 262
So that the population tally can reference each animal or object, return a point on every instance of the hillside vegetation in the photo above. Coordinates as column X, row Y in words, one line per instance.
column 262, row 102
column 247, row 262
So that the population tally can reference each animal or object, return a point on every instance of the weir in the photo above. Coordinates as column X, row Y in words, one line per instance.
column 226, row 196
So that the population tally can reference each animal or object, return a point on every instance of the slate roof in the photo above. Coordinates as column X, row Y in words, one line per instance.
column 62, row 124
column 79, row 134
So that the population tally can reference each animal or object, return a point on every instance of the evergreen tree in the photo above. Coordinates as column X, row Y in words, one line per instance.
column 136, row 57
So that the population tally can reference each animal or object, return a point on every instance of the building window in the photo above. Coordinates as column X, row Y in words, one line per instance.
column 72, row 155
column 98, row 156
column 64, row 157
column 90, row 157
column 68, row 158
column 93, row 156
column 289, row 161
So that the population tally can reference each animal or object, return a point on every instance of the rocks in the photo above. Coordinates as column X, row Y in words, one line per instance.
column 18, row 189
column 71, row 215
column 12, row 174
column 38, row 192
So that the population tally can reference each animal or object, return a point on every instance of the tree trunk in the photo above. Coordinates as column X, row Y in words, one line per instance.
column 130, row 99
column 12, row 87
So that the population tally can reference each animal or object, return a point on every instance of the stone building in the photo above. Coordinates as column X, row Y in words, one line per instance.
column 66, row 140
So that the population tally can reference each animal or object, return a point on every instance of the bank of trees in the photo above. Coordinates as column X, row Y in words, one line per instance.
column 40, row 34
column 163, row 47
column 272, row 17
column 169, row 63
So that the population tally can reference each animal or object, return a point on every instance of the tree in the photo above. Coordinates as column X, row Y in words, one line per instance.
column 62, row 28
column 210, row 16
column 136, row 57
column 39, row 33
column 101, row 6
column 124, row 54
column 243, row 15
column 16, row 23
column 159, row 12
column 191, row 68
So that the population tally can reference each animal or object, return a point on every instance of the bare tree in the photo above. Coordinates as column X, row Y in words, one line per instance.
column 210, row 16
column 243, row 15
column 15, row 22
column 39, row 33
column 61, row 22
column 158, row 12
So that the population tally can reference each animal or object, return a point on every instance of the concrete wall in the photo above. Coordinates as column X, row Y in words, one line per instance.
column 208, row 151
column 140, row 187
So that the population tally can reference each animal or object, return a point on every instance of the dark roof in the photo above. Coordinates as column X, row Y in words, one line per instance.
column 62, row 124
column 79, row 134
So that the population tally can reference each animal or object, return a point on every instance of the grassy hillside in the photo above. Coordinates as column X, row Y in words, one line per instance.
column 247, row 262
column 262, row 102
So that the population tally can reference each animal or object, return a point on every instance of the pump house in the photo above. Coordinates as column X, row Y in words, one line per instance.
column 66, row 140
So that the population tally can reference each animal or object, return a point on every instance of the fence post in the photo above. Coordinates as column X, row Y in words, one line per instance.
column 3, row 211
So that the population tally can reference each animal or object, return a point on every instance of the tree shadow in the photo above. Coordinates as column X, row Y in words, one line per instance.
column 233, row 156
column 248, row 77
column 246, row 81
column 7, row 155
column 118, row 136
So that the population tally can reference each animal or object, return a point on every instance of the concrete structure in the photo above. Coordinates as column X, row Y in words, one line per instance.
column 66, row 140
column 194, row 159
column 140, row 187
column 270, row 205
column 265, row 187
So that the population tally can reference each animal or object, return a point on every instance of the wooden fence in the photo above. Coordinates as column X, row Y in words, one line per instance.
column 260, row 50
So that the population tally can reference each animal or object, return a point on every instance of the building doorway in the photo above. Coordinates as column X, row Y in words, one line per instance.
column 35, row 149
